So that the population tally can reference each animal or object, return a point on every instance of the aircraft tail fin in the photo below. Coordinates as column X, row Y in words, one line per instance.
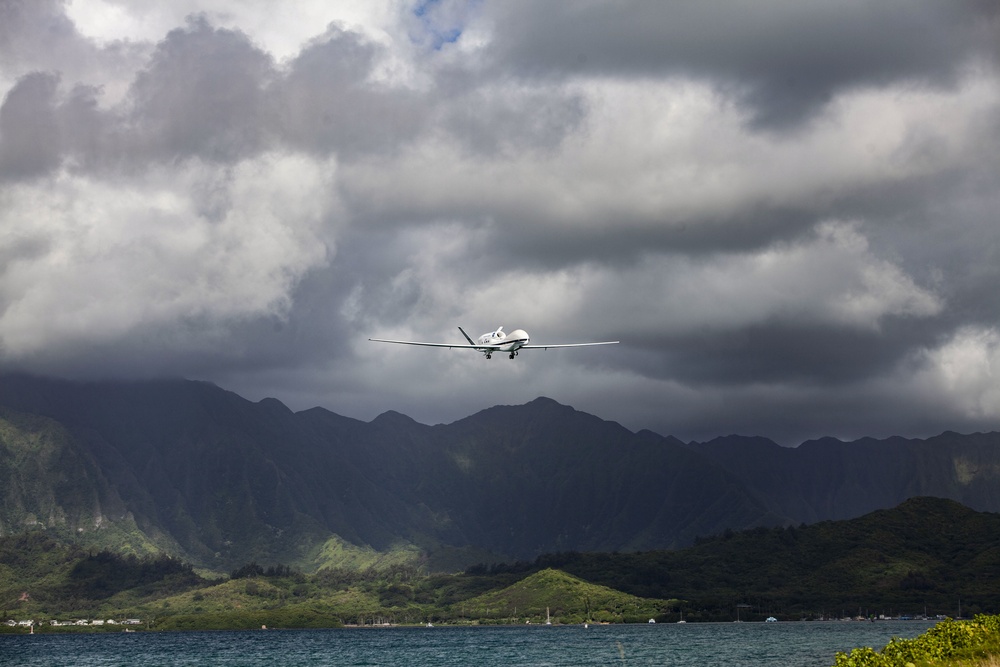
column 466, row 336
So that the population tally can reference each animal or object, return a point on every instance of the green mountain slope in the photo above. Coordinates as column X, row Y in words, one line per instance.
column 49, row 481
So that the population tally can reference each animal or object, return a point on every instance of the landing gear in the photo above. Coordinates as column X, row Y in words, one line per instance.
column 489, row 355
column 513, row 354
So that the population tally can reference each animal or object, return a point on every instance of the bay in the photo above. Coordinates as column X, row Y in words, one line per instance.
column 790, row 644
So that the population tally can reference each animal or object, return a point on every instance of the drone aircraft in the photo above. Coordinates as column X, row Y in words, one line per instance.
column 495, row 341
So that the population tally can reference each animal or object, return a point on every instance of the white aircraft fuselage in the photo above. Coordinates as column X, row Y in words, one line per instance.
column 503, row 342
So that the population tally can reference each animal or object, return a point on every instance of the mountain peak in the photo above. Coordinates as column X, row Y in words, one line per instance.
column 739, row 442
column 393, row 417
column 548, row 404
column 274, row 404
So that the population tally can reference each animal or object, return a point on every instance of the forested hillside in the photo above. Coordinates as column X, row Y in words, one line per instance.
column 927, row 556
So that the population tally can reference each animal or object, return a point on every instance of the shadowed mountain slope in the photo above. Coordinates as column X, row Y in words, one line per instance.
column 202, row 473
column 830, row 479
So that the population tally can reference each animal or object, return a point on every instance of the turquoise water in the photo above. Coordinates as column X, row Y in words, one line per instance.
column 702, row 644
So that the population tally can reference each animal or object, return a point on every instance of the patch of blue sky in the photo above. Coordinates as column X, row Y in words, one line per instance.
column 439, row 19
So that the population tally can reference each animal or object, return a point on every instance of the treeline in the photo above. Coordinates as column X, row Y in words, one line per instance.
column 103, row 574
column 923, row 556
column 43, row 573
column 252, row 569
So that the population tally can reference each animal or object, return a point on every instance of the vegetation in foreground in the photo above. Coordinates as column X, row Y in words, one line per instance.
column 948, row 644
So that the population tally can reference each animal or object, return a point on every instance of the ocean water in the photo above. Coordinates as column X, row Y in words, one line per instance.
column 801, row 644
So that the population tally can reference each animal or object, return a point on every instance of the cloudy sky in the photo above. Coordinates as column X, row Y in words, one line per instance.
column 788, row 211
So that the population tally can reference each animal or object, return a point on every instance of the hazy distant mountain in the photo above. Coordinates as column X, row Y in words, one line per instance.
column 830, row 479
column 202, row 473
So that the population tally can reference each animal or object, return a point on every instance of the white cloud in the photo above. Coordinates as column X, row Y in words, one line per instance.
column 167, row 247
column 832, row 278
column 280, row 30
column 670, row 153
column 964, row 372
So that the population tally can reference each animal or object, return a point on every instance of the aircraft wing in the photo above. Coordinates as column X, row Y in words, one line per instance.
column 545, row 347
column 414, row 342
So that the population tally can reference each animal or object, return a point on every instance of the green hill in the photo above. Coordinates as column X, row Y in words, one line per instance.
column 567, row 599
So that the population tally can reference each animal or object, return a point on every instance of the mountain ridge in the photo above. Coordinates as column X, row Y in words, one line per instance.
column 204, row 474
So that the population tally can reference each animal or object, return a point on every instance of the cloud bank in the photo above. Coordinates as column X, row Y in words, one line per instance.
column 786, row 212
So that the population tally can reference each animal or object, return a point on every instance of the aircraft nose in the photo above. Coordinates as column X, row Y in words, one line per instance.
column 518, row 334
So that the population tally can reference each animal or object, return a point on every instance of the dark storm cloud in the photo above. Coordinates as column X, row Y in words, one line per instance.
column 37, row 37
column 202, row 95
column 29, row 130
column 784, row 59
column 780, row 353
column 39, row 127
column 327, row 101
column 211, row 93
column 490, row 117
column 83, row 128
column 34, row 31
